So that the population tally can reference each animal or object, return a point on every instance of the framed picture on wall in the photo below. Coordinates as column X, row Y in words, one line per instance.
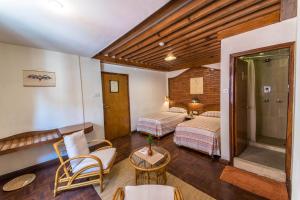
column 114, row 86
column 33, row 78
column 196, row 85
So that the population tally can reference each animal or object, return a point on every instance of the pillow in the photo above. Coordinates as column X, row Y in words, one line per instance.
column 177, row 110
column 211, row 114
column 76, row 145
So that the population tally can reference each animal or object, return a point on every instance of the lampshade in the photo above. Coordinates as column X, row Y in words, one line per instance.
column 195, row 100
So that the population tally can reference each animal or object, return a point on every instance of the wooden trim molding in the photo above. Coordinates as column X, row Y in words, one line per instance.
column 289, row 131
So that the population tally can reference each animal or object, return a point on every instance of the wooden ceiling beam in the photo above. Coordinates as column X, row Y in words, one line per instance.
column 233, row 7
column 199, row 63
column 193, row 37
column 195, row 52
column 202, row 46
column 231, row 23
column 158, row 49
column 172, row 18
column 197, row 58
column 238, row 21
column 188, row 46
column 194, row 57
column 181, row 54
column 156, row 17
column 191, row 58
column 217, row 17
column 217, row 26
column 181, row 25
column 250, row 25
column 107, row 59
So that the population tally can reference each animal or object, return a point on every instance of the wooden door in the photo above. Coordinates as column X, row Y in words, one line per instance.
column 115, row 105
column 240, row 106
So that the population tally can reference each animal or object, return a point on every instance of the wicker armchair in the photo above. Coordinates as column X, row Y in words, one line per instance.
column 148, row 192
column 84, row 169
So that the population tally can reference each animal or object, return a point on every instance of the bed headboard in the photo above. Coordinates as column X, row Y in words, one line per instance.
column 211, row 107
column 178, row 104
column 206, row 107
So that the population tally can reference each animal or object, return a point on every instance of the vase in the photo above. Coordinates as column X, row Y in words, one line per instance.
column 150, row 150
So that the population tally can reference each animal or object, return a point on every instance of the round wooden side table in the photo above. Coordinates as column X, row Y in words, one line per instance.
column 146, row 173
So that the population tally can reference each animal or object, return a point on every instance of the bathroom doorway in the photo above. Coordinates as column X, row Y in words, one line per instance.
column 261, row 103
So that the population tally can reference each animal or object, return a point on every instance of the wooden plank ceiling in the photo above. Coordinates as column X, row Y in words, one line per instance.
column 190, row 30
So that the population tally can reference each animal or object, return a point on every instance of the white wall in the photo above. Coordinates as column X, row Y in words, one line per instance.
column 175, row 73
column 76, row 98
column 296, row 136
column 92, row 95
column 270, row 35
column 40, row 108
column 147, row 90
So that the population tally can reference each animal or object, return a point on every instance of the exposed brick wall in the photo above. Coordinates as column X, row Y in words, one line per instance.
column 179, row 87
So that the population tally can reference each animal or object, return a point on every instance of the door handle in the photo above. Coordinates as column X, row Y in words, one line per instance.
column 106, row 107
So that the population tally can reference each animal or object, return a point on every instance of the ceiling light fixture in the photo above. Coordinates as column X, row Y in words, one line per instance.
column 56, row 4
column 170, row 57
column 161, row 44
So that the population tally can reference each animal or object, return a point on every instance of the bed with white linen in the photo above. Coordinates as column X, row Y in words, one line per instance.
column 201, row 133
column 162, row 123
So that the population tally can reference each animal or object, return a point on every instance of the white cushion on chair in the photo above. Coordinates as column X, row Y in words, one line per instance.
column 106, row 156
column 149, row 192
column 76, row 145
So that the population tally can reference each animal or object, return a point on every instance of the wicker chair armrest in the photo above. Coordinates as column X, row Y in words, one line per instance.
column 108, row 144
column 178, row 194
column 99, row 162
column 119, row 194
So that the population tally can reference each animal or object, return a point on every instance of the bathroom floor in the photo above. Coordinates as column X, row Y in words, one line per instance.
column 265, row 157
column 270, row 141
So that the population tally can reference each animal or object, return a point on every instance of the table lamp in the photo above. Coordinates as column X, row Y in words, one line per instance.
column 195, row 106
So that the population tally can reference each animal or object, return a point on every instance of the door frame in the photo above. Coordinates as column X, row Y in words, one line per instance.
column 232, row 112
column 104, row 117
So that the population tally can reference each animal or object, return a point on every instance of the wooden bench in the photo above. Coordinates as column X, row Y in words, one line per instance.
column 35, row 138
